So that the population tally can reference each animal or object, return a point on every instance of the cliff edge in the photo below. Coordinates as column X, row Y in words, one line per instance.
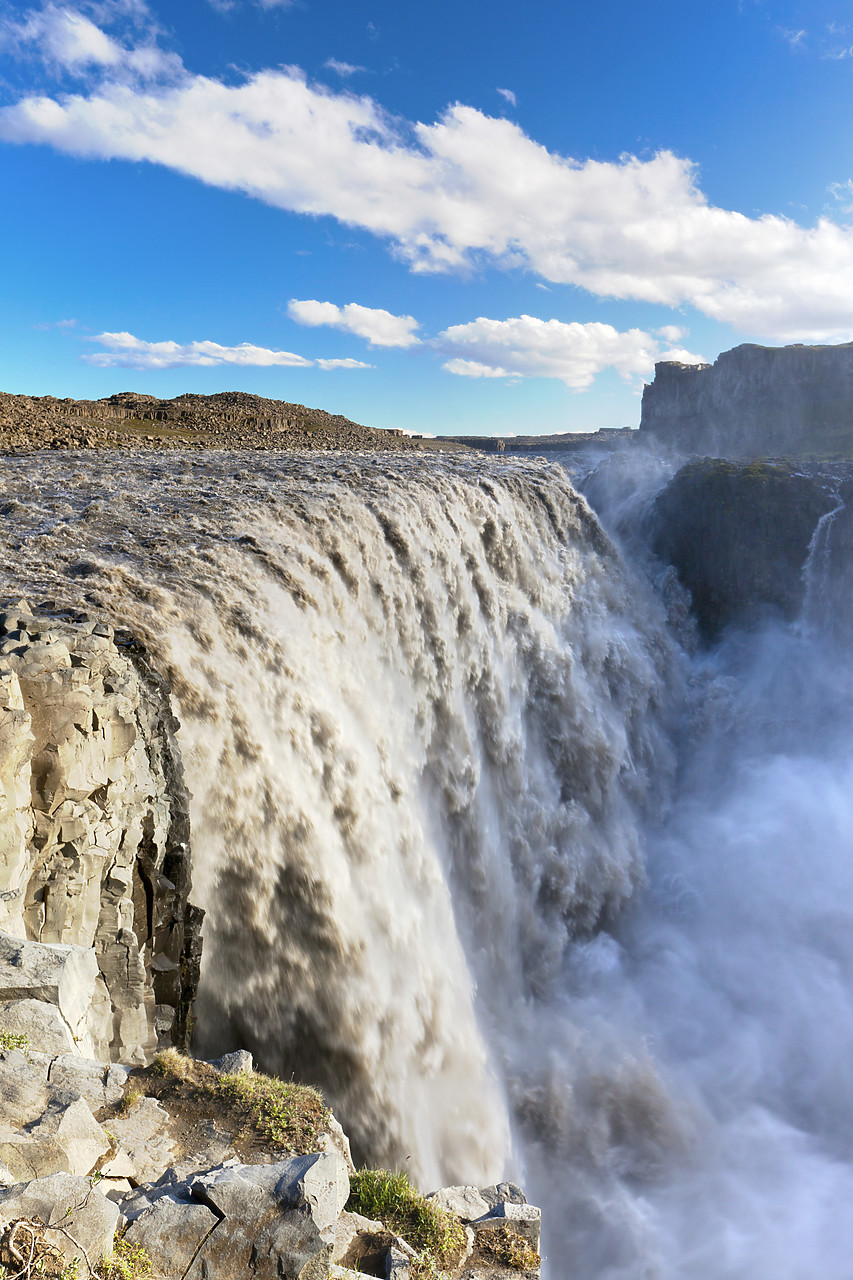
column 754, row 401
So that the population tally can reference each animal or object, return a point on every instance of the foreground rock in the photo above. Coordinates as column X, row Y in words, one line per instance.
column 255, row 1213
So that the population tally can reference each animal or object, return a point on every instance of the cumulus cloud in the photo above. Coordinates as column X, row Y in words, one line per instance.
column 125, row 351
column 575, row 353
column 509, row 96
column 380, row 328
column 464, row 191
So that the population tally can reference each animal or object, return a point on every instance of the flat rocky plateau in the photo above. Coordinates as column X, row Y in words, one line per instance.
column 228, row 420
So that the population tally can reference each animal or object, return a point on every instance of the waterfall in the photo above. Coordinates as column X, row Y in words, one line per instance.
column 422, row 712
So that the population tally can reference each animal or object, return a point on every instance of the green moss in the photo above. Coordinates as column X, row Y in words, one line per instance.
column 10, row 1040
column 437, row 1236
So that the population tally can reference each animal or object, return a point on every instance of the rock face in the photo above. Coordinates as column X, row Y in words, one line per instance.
column 738, row 536
column 94, row 839
column 754, row 401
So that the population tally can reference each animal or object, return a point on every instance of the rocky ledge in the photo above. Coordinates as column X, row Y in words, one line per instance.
column 224, row 1174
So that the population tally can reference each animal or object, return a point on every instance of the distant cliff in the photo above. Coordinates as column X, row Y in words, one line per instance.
column 755, row 401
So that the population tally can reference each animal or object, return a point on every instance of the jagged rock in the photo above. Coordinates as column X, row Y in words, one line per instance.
column 466, row 1202
column 318, row 1183
column 266, row 1221
column 346, row 1232
column 71, row 1203
column 503, row 1193
column 41, row 1024
column 101, row 1085
column 63, row 977
column 232, row 1064
column 65, row 1139
column 397, row 1264
column 94, row 823
column 23, row 1091
column 336, row 1141
column 172, row 1231
column 522, row 1219
column 144, row 1134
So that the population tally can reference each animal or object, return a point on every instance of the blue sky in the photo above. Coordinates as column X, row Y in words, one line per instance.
column 469, row 217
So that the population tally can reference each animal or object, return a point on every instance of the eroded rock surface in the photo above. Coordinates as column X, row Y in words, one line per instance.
column 755, row 401
column 94, row 834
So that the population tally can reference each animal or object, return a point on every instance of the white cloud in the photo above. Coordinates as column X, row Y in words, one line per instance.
column 466, row 190
column 380, row 328
column 509, row 96
column 343, row 364
column 125, row 351
column 531, row 348
column 344, row 69
column 66, row 39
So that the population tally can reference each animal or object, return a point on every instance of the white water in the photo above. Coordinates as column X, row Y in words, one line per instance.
column 429, row 725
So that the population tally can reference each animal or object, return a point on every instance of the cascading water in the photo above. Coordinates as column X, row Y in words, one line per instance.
column 420, row 713
column 429, row 723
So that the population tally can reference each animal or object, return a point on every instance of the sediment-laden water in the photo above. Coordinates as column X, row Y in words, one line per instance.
column 521, row 884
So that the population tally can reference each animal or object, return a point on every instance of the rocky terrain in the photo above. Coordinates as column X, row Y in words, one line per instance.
column 229, row 420
column 121, row 1157
column 754, row 401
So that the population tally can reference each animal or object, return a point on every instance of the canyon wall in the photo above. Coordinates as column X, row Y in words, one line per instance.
column 754, row 401
column 94, row 823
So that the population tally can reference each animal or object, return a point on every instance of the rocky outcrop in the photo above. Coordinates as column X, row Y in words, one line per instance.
column 94, row 840
column 755, row 401
column 231, row 419
column 86, row 1163
column 738, row 536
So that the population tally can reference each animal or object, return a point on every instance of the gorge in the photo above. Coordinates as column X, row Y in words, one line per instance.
column 529, row 877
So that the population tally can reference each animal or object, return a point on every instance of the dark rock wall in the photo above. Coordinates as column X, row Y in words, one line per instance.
column 755, row 401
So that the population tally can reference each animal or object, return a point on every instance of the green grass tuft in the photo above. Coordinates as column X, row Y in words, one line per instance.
column 437, row 1236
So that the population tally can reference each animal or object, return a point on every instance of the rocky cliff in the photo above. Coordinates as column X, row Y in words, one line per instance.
column 754, row 401
column 94, row 828
column 739, row 536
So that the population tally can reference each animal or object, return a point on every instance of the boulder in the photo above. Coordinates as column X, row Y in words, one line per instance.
column 65, row 1139
column 232, row 1064
column 79, row 1218
column 503, row 1193
column 42, row 1025
column 274, row 1222
column 466, row 1202
column 172, row 1231
column 65, row 977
